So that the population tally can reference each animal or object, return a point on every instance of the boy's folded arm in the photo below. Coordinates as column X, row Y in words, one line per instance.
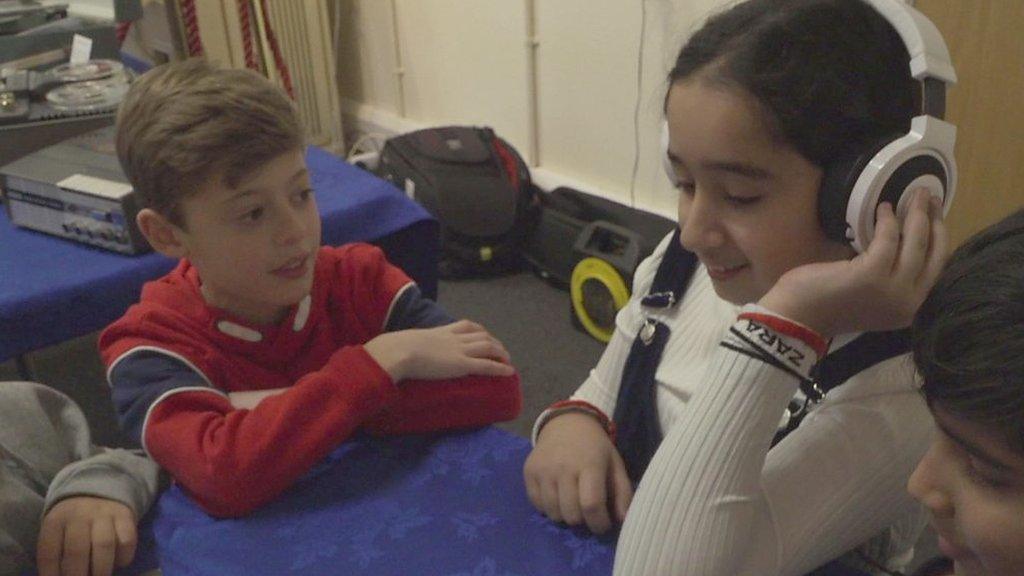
column 234, row 460
column 434, row 405
column 424, row 406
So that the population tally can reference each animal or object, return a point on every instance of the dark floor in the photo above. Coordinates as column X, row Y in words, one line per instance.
column 528, row 315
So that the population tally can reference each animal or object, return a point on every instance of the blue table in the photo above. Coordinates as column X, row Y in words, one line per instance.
column 53, row 290
column 449, row 504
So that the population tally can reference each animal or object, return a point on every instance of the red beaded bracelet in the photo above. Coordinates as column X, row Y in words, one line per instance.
column 582, row 406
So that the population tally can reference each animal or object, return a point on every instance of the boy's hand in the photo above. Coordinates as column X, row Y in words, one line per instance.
column 84, row 536
column 879, row 289
column 451, row 351
column 575, row 474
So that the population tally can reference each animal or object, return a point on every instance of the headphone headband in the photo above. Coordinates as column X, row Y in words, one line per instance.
column 930, row 63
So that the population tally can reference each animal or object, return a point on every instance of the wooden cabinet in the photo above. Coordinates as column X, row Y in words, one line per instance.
column 987, row 105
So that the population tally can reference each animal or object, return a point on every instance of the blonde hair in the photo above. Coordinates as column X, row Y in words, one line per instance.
column 183, row 123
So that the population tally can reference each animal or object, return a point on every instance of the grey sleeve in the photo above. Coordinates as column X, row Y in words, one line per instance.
column 20, row 517
column 121, row 475
column 46, row 454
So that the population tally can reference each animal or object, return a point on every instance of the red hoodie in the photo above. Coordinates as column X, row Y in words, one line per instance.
column 171, row 361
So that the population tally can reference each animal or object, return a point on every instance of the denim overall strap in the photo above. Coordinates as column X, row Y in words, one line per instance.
column 636, row 410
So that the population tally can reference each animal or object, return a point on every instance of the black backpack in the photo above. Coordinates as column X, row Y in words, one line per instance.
column 475, row 184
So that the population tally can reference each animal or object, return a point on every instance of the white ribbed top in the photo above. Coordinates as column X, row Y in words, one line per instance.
column 698, row 324
column 714, row 501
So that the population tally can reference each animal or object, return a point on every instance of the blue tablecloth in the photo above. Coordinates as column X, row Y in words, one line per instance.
column 451, row 504
column 52, row 290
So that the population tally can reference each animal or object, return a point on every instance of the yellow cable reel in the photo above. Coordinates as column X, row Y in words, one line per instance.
column 598, row 292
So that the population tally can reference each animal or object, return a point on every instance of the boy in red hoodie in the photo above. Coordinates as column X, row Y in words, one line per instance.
column 263, row 351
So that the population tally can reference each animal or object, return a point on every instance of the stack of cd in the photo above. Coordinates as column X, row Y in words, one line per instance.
column 93, row 86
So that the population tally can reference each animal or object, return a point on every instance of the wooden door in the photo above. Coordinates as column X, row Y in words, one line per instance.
column 987, row 105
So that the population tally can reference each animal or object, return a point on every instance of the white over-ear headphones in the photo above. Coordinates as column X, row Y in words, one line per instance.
column 894, row 167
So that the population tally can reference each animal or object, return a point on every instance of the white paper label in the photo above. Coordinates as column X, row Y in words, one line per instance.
column 96, row 186
column 81, row 49
column 410, row 188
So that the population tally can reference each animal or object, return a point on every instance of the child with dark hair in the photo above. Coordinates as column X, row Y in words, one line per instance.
column 753, row 302
column 968, row 345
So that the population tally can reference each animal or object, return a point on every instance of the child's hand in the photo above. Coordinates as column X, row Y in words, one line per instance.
column 450, row 351
column 575, row 474
column 880, row 289
column 84, row 536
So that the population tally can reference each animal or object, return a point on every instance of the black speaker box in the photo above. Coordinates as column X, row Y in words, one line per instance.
column 573, row 225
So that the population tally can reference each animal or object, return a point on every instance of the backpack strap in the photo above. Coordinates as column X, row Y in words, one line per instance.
column 833, row 370
column 636, row 411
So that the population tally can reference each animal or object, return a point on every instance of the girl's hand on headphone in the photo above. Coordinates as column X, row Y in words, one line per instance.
column 879, row 289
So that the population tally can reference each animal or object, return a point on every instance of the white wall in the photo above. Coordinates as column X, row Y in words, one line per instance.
column 468, row 62
column 465, row 62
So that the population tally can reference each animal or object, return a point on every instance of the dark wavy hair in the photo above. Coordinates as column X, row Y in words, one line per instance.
column 832, row 76
column 968, row 335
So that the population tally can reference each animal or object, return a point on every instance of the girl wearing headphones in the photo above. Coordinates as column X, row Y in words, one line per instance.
column 968, row 344
column 754, row 381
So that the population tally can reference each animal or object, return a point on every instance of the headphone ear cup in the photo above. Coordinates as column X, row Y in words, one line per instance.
column 837, row 184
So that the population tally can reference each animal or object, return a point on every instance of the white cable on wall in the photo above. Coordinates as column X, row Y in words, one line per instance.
column 533, row 106
column 636, row 108
column 399, row 68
